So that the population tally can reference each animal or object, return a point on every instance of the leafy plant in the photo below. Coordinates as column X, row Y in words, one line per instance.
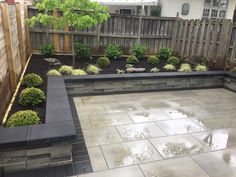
column 173, row 60
column 201, row 68
column 78, row 72
column 129, row 66
column 82, row 51
column 31, row 97
column 153, row 60
column 185, row 68
column 32, row 80
column 139, row 51
column 93, row 69
column 47, row 50
column 113, row 51
column 103, row 62
column 120, row 71
column 53, row 72
column 132, row 59
column 66, row 70
column 233, row 70
column 23, row 118
column 169, row 67
column 164, row 53
column 154, row 70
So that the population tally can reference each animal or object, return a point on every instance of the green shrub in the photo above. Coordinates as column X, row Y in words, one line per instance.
column 66, row 70
column 164, row 53
column 93, row 69
column 173, row 60
column 201, row 68
column 120, row 71
column 139, row 51
column 169, row 67
column 31, row 96
column 53, row 72
column 185, row 68
column 82, row 51
column 153, row 60
column 32, row 80
column 132, row 59
column 113, row 51
column 103, row 62
column 154, row 70
column 78, row 72
column 47, row 50
column 129, row 66
column 23, row 118
column 233, row 70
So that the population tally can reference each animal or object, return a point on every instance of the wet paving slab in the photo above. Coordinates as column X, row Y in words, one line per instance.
column 160, row 134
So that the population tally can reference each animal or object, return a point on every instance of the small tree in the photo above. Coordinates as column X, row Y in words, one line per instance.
column 75, row 14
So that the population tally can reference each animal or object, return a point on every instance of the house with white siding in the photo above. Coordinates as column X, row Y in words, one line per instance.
column 186, row 9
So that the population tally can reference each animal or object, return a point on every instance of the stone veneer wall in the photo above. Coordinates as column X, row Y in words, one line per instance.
column 35, row 156
column 145, row 84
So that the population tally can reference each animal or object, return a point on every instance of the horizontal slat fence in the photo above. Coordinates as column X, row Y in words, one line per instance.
column 208, row 41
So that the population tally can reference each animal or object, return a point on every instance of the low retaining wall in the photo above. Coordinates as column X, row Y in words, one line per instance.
column 105, row 84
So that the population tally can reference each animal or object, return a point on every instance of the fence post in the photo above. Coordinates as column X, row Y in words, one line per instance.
column 8, row 42
column 140, row 24
column 20, row 34
column 98, row 35
column 67, row 41
column 27, row 33
column 174, row 34
column 56, row 39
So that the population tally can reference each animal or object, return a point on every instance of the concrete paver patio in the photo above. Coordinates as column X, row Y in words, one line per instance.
column 160, row 134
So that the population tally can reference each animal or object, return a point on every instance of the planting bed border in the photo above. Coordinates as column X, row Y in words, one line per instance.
column 59, row 121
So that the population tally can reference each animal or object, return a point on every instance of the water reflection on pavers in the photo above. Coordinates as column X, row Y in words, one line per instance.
column 160, row 134
column 118, row 155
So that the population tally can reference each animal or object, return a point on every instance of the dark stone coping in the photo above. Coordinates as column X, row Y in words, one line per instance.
column 59, row 121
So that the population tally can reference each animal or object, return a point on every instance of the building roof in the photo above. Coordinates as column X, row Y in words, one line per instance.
column 127, row 2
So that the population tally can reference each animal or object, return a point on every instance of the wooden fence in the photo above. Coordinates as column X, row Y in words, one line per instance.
column 14, row 49
column 209, row 41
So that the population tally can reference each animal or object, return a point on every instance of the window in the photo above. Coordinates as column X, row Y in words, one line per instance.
column 125, row 11
column 214, row 13
column 206, row 13
column 215, row 8
column 185, row 9
column 222, row 14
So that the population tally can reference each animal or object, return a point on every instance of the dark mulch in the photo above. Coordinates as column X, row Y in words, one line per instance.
column 39, row 66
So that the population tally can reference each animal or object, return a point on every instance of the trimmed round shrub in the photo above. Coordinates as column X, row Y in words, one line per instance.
column 31, row 97
column 47, row 50
column 53, row 72
column 23, row 118
column 169, row 67
column 164, row 53
column 132, row 59
column 66, row 70
column 173, row 60
column 139, row 51
column 78, row 72
column 82, row 51
column 185, row 68
column 113, row 52
column 32, row 80
column 103, row 62
column 153, row 60
column 201, row 68
column 93, row 69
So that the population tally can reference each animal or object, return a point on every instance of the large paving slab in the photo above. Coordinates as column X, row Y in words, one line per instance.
column 160, row 134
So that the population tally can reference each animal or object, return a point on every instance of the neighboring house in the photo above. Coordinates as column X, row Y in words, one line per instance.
column 186, row 9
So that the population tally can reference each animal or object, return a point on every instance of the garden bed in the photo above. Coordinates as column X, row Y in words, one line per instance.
column 39, row 66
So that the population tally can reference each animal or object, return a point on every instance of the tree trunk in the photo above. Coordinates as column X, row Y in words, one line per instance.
column 73, row 48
